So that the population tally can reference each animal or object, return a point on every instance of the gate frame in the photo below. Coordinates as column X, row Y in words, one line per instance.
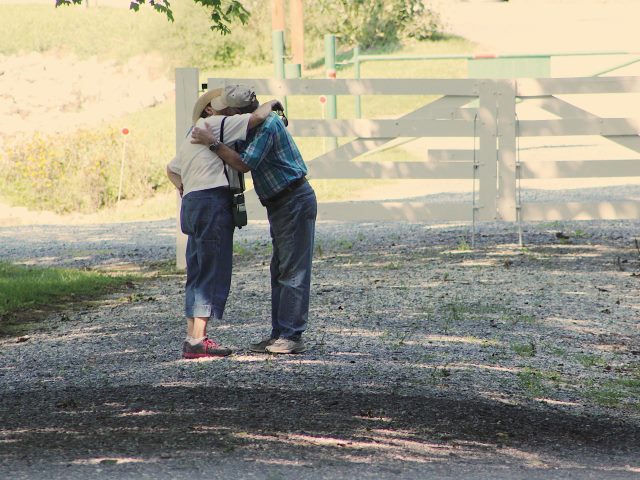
column 494, row 123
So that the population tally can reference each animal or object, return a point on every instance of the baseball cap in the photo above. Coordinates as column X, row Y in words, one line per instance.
column 236, row 96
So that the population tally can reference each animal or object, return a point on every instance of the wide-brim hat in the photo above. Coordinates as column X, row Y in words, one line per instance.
column 202, row 102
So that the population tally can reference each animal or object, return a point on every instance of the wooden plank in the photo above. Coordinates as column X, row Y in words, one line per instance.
column 349, row 151
column 486, row 158
column 632, row 142
column 506, row 201
column 581, row 169
column 360, row 146
column 186, row 96
column 562, row 108
column 460, row 170
column 535, row 87
column 389, row 211
column 325, row 86
column 374, row 210
column 581, row 211
column 447, row 108
column 187, row 89
column 381, row 128
column 255, row 210
column 579, row 126
column 451, row 155
column 463, row 114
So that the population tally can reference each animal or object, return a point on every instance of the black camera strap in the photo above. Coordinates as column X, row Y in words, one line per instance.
column 240, row 174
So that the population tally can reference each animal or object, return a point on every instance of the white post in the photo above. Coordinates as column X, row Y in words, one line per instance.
column 506, row 207
column 488, row 151
column 124, row 151
column 187, row 89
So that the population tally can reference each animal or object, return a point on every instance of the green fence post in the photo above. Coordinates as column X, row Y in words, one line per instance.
column 277, row 42
column 356, row 69
column 330, row 69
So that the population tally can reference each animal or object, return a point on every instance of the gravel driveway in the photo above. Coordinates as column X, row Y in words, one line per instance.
column 428, row 360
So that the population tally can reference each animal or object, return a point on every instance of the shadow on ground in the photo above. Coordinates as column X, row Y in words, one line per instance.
column 301, row 429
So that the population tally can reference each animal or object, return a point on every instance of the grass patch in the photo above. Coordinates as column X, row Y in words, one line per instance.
column 524, row 349
column 587, row 360
column 606, row 396
column 24, row 289
column 614, row 393
column 536, row 382
column 530, row 381
column 246, row 249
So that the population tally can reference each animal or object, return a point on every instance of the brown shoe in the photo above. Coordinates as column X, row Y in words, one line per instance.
column 260, row 347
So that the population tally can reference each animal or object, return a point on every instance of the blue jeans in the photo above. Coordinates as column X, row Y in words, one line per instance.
column 205, row 216
column 292, row 221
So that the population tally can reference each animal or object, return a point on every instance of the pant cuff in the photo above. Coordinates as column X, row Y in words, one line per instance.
column 198, row 311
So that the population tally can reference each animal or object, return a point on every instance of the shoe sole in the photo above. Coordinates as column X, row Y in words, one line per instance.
column 258, row 350
column 286, row 352
column 192, row 356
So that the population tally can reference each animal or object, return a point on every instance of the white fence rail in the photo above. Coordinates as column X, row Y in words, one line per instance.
column 485, row 114
column 549, row 95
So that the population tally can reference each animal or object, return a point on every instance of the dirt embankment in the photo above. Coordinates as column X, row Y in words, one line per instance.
column 52, row 93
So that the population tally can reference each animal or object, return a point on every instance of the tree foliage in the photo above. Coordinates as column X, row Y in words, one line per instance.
column 222, row 12
column 374, row 23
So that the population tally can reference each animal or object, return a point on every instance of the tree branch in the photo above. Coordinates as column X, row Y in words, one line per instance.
column 223, row 12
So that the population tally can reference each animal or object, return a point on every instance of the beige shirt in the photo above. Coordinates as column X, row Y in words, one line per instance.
column 199, row 167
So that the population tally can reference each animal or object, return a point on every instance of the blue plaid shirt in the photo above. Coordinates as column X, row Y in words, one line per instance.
column 273, row 157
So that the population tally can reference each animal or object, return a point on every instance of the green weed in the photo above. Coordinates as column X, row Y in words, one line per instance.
column 613, row 393
column 606, row 397
column 513, row 319
column 524, row 349
column 588, row 360
column 531, row 380
column 463, row 246
column 392, row 266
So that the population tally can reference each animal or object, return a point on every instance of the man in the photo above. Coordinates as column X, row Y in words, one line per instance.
column 205, row 214
column 278, row 173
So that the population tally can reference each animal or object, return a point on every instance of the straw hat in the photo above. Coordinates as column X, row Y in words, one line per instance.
column 202, row 102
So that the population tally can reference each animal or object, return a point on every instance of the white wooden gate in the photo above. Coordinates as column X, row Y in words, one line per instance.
column 483, row 114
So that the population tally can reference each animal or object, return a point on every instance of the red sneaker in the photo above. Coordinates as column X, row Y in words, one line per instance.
column 205, row 348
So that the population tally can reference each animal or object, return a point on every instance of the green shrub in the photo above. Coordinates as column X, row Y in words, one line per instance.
column 190, row 41
column 78, row 172
column 373, row 23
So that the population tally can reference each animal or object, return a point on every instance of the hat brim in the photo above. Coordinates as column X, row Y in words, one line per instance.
column 202, row 102
column 218, row 104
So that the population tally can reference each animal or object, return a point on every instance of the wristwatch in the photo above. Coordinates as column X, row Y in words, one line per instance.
column 214, row 146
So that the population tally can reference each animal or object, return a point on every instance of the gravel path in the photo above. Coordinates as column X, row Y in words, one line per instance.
column 428, row 360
